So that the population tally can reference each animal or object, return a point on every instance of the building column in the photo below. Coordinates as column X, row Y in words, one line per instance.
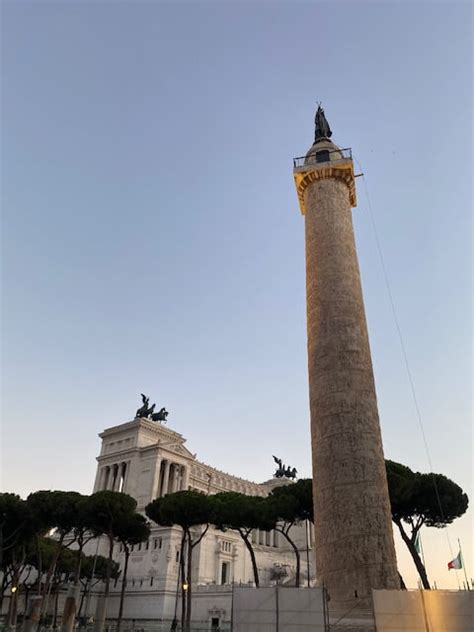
column 166, row 475
column 156, row 483
column 125, row 480
column 185, row 478
column 112, row 478
column 102, row 478
column 354, row 547
column 122, row 472
column 175, row 477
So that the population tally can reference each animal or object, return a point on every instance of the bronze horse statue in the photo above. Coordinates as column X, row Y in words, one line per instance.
column 148, row 412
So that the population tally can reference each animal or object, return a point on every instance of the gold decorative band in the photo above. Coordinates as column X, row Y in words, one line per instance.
column 304, row 176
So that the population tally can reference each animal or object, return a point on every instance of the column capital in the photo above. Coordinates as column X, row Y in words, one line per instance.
column 342, row 169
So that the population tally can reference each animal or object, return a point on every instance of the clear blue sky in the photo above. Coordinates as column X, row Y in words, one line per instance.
column 152, row 240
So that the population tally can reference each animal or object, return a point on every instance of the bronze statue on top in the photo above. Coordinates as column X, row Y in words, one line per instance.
column 322, row 129
column 284, row 472
column 147, row 411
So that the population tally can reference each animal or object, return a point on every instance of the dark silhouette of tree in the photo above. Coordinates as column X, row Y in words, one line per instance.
column 93, row 571
column 416, row 499
column 133, row 530
column 243, row 514
column 189, row 510
column 107, row 511
column 16, row 530
column 81, row 534
column 292, row 504
column 53, row 510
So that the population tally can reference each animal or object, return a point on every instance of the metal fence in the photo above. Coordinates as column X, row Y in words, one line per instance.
column 323, row 155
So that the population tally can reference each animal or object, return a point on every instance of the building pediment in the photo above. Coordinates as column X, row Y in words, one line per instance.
column 178, row 448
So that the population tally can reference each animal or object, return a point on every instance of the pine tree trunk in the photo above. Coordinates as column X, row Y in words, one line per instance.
column 183, row 579
column 46, row 593
column 414, row 553
column 245, row 538
column 188, row 581
column 102, row 607
column 56, row 604
column 83, row 596
column 13, row 604
column 124, row 586
column 297, row 555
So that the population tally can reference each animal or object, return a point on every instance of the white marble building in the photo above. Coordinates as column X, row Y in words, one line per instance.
column 147, row 460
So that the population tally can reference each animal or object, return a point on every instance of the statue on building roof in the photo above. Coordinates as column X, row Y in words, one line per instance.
column 161, row 415
column 148, row 412
column 144, row 411
column 322, row 129
column 283, row 471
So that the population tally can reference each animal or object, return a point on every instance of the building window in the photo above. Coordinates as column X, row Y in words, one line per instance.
column 177, row 556
column 139, row 546
column 160, row 542
column 151, row 580
column 147, row 544
column 155, row 543
column 225, row 573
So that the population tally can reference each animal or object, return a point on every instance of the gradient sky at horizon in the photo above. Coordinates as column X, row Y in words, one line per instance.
column 152, row 240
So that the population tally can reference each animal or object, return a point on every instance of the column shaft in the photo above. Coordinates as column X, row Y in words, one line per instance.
column 166, row 475
column 354, row 541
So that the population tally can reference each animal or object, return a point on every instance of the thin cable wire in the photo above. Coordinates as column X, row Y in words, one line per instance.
column 405, row 357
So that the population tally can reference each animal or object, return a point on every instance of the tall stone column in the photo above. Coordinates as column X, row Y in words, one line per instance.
column 176, row 477
column 353, row 532
column 156, row 483
column 166, row 476
column 185, row 479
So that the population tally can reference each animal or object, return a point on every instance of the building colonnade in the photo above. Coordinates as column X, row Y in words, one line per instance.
column 114, row 477
column 172, row 477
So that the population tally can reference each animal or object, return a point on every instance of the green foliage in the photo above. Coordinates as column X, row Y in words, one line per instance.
column 418, row 499
column 17, row 527
column 185, row 509
column 423, row 499
column 92, row 568
column 232, row 510
column 55, row 509
column 106, row 511
column 294, row 502
column 442, row 505
column 291, row 504
column 133, row 529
